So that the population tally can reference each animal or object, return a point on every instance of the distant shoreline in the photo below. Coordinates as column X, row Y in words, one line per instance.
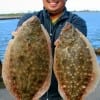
column 10, row 16
column 18, row 15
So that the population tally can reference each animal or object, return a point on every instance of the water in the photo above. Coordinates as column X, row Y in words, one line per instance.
column 92, row 20
column 93, row 24
column 6, row 28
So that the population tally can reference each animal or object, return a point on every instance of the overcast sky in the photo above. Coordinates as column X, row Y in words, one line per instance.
column 15, row 6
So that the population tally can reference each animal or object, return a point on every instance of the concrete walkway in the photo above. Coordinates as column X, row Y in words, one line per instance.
column 4, row 95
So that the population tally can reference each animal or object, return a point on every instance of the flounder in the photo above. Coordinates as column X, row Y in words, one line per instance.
column 75, row 64
column 27, row 63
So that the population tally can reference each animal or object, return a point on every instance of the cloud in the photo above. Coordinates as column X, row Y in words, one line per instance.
column 19, row 5
column 13, row 6
column 83, row 4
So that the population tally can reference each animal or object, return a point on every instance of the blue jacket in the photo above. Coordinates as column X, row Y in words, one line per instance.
column 54, row 31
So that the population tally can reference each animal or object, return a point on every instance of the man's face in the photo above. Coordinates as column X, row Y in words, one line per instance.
column 54, row 6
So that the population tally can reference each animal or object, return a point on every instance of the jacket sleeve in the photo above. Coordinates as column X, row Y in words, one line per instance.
column 80, row 24
column 24, row 18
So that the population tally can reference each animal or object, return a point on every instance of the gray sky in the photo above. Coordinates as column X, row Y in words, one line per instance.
column 15, row 6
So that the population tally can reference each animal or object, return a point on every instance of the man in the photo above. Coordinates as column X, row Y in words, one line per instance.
column 54, row 16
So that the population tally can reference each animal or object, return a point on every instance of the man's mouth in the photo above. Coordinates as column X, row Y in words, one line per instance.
column 53, row 3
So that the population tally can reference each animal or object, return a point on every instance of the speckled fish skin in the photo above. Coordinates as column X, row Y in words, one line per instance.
column 75, row 64
column 27, row 64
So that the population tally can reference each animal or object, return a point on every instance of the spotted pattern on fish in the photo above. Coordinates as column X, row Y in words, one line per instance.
column 73, row 63
column 27, row 62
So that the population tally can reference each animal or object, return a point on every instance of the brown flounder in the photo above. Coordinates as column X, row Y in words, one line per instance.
column 27, row 63
column 75, row 64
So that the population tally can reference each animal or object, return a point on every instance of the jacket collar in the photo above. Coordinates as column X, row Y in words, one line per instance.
column 64, row 15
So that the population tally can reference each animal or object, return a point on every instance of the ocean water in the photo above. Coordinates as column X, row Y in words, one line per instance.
column 6, row 29
column 93, row 24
